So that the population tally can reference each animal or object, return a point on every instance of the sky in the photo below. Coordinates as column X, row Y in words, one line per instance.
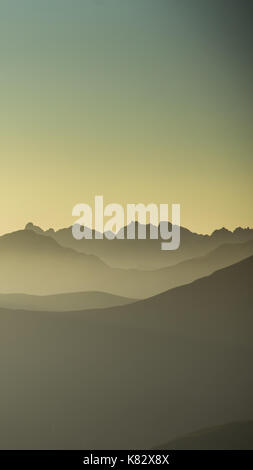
column 136, row 100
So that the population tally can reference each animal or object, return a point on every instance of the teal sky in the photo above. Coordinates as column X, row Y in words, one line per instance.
column 138, row 100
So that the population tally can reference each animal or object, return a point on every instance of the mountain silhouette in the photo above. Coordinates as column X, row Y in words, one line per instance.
column 146, row 254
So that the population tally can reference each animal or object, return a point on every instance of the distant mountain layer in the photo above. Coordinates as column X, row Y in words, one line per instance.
column 146, row 254
column 36, row 264
column 131, row 376
column 62, row 302
column 225, row 437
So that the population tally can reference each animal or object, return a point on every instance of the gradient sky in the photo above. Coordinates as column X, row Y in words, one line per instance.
column 137, row 100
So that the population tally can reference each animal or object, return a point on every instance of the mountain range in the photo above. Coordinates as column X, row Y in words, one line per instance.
column 36, row 264
column 145, row 254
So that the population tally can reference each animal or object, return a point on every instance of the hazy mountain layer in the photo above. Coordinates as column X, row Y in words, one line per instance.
column 63, row 302
column 130, row 376
column 37, row 264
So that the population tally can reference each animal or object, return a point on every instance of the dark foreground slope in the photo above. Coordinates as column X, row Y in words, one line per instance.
column 228, row 436
column 129, row 376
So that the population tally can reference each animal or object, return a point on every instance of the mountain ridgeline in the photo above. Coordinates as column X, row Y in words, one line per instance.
column 145, row 254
